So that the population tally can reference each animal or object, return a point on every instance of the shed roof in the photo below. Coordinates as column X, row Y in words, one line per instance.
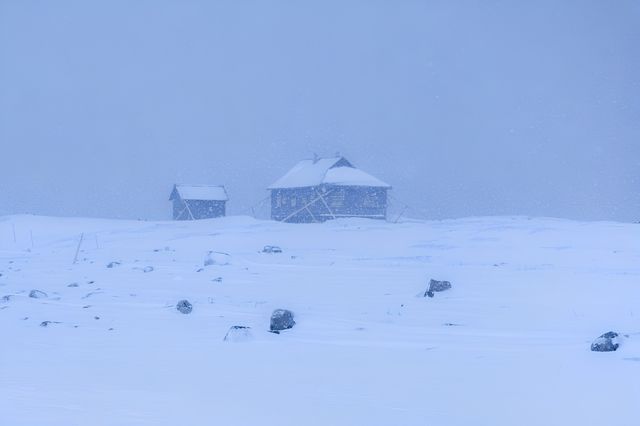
column 199, row 192
column 328, row 171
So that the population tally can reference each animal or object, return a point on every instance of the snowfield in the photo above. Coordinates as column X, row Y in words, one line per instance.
column 507, row 345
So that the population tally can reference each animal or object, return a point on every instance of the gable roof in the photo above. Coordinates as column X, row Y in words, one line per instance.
column 328, row 171
column 199, row 192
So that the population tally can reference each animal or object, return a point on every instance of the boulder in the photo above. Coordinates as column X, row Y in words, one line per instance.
column 271, row 249
column 238, row 333
column 608, row 342
column 437, row 286
column 37, row 294
column 282, row 319
column 217, row 258
column 184, row 307
column 113, row 264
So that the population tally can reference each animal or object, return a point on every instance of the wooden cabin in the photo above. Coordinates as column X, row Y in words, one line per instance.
column 327, row 188
column 194, row 202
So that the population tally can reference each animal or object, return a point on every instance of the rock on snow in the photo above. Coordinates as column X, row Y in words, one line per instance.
column 184, row 307
column 437, row 286
column 282, row 319
column 608, row 342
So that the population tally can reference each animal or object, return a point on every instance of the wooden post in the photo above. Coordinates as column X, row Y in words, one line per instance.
column 186, row 203
column 75, row 259
column 400, row 215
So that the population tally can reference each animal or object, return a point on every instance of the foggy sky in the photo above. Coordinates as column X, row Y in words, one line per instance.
column 466, row 107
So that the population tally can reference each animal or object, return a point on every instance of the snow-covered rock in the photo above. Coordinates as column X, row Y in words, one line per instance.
column 217, row 258
column 37, row 294
column 238, row 333
column 271, row 249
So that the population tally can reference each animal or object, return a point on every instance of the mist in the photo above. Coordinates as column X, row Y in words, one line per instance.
column 466, row 108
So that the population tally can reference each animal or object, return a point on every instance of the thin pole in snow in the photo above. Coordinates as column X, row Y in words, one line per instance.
column 97, row 245
column 400, row 215
column 13, row 225
column 75, row 259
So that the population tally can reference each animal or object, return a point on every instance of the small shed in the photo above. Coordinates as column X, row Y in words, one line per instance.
column 193, row 202
column 327, row 188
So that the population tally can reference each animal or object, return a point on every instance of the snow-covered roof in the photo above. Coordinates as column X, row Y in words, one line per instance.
column 200, row 192
column 328, row 171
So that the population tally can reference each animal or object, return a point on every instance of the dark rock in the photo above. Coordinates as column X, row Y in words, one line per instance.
column 282, row 319
column 37, row 294
column 608, row 342
column 271, row 249
column 437, row 286
column 238, row 333
column 73, row 285
column 148, row 269
column 88, row 295
column 217, row 280
column 184, row 307
column 113, row 264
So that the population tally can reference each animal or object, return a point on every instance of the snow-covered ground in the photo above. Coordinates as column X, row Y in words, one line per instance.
column 507, row 345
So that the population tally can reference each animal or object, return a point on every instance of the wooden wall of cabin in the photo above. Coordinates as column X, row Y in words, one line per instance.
column 199, row 209
column 358, row 201
column 342, row 201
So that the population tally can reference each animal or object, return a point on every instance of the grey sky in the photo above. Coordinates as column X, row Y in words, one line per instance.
column 465, row 107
